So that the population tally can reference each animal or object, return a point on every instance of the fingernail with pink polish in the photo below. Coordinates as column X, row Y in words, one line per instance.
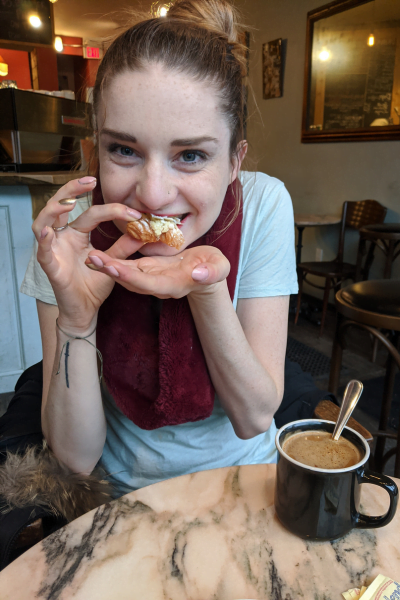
column 112, row 271
column 200, row 273
column 87, row 180
column 97, row 261
column 134, row 213
column 43, row 233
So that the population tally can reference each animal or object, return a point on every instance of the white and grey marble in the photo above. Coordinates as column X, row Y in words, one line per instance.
column 208, row 536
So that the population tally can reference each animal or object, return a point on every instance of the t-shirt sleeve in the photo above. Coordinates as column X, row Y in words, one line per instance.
column 268, row 261
column 36, row 282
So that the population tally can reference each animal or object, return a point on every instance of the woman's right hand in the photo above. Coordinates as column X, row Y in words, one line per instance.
column 79, row 291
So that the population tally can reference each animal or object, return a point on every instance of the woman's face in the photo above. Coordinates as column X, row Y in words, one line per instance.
column 164, row 149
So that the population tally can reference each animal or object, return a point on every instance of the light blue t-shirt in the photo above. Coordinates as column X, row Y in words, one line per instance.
column 132, row 457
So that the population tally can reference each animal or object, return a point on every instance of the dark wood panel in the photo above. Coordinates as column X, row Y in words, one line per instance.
column 15, row 28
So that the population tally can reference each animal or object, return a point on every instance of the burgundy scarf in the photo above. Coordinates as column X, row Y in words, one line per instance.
column 154, row 365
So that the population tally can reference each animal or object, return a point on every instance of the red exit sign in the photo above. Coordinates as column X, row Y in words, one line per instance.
column 91, row 52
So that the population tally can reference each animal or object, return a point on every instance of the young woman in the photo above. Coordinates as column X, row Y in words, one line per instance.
column 193, row 340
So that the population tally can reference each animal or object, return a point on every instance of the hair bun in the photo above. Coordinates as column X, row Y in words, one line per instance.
column 217, row 16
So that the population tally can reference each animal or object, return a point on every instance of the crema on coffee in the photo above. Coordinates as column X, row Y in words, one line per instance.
column 318, row 449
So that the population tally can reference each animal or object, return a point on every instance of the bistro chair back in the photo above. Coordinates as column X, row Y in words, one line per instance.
column 359, row 214
column 354, row 216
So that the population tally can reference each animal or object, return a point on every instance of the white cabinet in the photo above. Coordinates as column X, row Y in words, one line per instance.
column 20, row 342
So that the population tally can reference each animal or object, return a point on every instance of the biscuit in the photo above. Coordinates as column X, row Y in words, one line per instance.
column 151, row 228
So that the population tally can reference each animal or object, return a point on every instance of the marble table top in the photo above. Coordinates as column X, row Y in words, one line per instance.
column 310, row 220
column 212, row 535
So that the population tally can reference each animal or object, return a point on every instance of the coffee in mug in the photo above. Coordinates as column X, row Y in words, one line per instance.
column 319, row 449
column 323, row 503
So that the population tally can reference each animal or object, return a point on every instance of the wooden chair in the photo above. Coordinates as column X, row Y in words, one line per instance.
column 372, row 306
column 328, row 411
column 354, row 216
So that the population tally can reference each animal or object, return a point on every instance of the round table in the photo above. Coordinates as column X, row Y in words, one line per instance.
column 211, row 535
column 302, row 220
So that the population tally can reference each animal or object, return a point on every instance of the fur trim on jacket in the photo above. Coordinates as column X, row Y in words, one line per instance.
column 38, row 478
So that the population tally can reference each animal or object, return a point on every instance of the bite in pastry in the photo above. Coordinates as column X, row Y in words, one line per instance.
column 151, row 228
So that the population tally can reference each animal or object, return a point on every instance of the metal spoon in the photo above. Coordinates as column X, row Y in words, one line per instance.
column 351, row 396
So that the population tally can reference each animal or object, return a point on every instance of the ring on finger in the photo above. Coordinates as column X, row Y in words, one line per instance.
column 61, row 228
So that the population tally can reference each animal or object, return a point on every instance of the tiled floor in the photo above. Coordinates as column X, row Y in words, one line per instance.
column 356, row 361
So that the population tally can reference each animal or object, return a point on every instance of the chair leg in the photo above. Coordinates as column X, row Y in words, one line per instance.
column 360, row 255
column 368, row 261
column 386, row 404
column 397, row 463
column 374, row 349
column 336, row 360
column 325, row 303
column 300, row 279
column 389, row 259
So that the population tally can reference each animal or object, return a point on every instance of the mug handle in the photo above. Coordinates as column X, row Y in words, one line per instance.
column 367, row 522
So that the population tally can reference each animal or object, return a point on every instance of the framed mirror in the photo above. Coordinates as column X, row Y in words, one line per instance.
column 352, row 72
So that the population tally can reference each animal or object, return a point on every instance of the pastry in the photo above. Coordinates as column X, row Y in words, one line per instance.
column 151, row 228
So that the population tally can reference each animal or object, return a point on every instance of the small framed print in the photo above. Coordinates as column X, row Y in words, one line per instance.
column 272, row 69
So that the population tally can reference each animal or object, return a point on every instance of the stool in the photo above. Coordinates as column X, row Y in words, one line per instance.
column 384, row 235
column 371, row 305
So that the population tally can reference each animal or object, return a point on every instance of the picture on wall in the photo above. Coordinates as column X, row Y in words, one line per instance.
column 272, row 69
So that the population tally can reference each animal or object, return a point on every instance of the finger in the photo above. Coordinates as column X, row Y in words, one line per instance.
column 128, row 275
column 128, row 247
column 211, row 272
column 55, row 213
column 45, row 255
column 57, row 209
column 75, row 187
column 125, row 246
column 95, row 215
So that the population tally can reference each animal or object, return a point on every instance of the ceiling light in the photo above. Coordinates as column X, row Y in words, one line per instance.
column 58, row 44
column 324, row 55
column 53, row 1
column 163, row 11
column 371, row 39
column 35, row 21
column 3, row 67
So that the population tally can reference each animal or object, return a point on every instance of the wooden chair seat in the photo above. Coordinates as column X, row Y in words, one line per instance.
column 328, row 411
column 328, row 269
column 380, row 296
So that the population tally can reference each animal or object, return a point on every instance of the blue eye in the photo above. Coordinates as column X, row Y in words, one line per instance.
column 193, row 156
column 125, row 151
column 189, row 156
column 121, row 150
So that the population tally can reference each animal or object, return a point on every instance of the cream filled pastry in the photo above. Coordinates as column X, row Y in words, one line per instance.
column 152, row 228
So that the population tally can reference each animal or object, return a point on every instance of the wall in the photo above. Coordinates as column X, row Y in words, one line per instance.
column 47, row 68
column 18, row 67
column 319, row 177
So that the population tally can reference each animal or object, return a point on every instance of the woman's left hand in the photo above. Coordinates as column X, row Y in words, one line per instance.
column 193, row 270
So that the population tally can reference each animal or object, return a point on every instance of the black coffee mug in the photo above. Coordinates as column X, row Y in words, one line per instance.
column 323, row 504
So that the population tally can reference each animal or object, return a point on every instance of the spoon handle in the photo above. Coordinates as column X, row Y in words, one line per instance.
column 351, row 396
